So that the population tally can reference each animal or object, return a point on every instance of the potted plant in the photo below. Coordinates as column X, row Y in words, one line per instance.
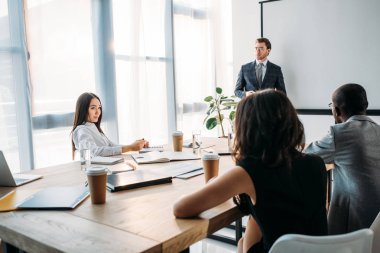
column 218, row 107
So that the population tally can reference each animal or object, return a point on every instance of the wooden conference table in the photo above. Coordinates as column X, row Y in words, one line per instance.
column 139, row 220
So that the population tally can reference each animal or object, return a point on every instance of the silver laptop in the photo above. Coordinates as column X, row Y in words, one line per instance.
column 9, row 179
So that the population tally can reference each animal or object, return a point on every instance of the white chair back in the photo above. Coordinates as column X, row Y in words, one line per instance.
column 355, row 242
column 376, row 234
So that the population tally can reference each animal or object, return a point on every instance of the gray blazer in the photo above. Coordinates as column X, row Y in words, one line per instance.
column 354, row 147
column 247, row 79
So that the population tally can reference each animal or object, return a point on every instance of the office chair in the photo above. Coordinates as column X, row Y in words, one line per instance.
column 355, row 242
column 375, row 227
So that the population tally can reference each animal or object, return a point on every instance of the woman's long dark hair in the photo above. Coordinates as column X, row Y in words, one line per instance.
column 81, row 113
column 267, row 129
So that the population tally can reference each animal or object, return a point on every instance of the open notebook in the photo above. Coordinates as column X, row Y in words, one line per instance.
column 151, row 149
column 162, row 157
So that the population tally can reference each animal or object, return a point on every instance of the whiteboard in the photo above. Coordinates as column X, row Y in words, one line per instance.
column 322, row 44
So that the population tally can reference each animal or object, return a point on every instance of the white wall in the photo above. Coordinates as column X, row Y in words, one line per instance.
column 306, row 36
column 245, row 30
column 319, row 45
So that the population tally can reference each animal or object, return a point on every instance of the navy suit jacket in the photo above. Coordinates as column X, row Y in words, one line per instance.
column 247, row 79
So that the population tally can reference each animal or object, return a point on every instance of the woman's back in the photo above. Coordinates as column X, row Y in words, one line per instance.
column 288, row 200
column 287, row 187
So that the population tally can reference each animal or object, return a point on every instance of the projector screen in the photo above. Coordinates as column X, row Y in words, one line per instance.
column 321, row 45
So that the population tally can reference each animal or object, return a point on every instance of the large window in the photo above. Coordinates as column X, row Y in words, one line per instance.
column 146, row 59
column 141, row 69
column 203, row 58
column 12, row 83
column 60, row 42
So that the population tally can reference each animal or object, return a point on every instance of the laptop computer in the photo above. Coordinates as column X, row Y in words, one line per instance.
column 9, row 179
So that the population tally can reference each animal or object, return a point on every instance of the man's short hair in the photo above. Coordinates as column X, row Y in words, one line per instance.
column 266, row 41
column 351, row 99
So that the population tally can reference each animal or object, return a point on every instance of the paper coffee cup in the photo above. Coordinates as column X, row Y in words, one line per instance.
column 177, row 141
column 97, row 182
column 210, row 166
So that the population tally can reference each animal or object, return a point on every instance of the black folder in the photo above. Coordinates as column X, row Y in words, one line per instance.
column 135, row 179
column 56, row 198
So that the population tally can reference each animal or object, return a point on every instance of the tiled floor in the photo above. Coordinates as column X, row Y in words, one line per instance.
column 212, row 246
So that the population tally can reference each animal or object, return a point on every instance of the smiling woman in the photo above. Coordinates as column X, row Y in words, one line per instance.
column 87, row 131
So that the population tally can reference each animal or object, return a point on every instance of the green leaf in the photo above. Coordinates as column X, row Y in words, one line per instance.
column 219, row 90
column 230, row 104
column 208, row 99
column 211, row 123
column 232, row 115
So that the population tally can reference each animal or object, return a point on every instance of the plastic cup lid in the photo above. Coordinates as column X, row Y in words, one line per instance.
column 177, row 133
column 96, row 170
column 212, row 156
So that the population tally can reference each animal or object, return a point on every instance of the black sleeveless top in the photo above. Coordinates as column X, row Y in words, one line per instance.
column 287, row 200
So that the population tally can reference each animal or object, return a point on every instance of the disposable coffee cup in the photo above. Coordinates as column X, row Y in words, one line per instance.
column 210, row 166
column 97, row 182
column 177, row 141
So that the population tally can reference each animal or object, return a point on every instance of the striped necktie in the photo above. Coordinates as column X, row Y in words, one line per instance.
column 259, row 73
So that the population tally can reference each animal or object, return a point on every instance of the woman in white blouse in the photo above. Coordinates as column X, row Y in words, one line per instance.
column 87, row 131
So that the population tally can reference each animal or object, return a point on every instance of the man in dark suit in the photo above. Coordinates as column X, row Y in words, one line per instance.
column 261, row 73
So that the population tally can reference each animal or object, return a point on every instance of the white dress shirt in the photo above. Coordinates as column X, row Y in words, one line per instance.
column 99, row 144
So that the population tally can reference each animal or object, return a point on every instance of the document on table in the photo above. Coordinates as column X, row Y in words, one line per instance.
column 180, row 170
column 151, row 149
column 106, row 160
column 162, row 157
